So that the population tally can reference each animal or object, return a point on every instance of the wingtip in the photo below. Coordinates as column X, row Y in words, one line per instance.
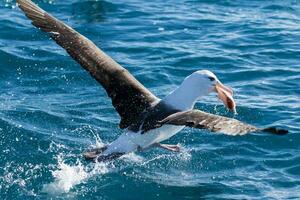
column 276, row 131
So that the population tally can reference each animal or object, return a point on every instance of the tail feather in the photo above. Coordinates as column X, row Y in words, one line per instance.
column 97, row 155
column 93, row 153
column 109, row 157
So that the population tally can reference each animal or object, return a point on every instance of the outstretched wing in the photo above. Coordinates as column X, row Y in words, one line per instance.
column 215, row 123
column 129, row 96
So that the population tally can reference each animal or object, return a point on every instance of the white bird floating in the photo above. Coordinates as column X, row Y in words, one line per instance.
column 147, row 120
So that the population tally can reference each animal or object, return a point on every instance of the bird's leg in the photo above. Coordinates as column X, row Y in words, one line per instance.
column 140, row 149
column 170, row 147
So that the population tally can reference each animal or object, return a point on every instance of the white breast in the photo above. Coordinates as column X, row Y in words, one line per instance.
column 130, row 141
column 154, row 135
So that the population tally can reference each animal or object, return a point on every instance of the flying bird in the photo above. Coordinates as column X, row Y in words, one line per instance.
column 146, row 119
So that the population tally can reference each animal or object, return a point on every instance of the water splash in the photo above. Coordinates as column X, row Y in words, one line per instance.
column 67, row 176
column 132, row 157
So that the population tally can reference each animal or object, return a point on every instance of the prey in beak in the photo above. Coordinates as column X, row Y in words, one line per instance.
column 226, row 95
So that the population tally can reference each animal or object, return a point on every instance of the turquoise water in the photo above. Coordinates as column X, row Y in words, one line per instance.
column 51, row 110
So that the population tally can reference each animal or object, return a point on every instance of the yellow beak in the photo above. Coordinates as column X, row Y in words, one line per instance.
column 226, row 95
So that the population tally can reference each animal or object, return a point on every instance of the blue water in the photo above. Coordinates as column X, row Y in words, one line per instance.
column 51, row 110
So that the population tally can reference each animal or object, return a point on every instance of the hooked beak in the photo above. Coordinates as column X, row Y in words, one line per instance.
column 226, row 95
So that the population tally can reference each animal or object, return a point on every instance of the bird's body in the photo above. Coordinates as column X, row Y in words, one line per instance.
column 131, row 141
column 146, row 119
column 145, row 132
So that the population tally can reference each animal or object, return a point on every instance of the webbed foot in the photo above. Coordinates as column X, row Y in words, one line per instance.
column 170, row 147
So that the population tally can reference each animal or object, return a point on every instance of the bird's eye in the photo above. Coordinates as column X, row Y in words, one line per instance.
column 211, row 78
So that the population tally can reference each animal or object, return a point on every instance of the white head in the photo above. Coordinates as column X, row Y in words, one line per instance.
column 196, row 85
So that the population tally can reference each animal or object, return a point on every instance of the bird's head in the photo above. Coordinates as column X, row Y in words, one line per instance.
column 203, row 82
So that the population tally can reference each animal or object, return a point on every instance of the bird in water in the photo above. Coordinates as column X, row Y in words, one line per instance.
column 146, row 119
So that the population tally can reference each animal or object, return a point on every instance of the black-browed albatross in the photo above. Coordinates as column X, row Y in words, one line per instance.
column 146, row 119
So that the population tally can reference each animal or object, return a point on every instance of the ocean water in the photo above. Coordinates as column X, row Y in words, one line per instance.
column 51, row 110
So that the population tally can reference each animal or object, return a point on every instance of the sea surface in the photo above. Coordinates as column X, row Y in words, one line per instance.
column 51, row 110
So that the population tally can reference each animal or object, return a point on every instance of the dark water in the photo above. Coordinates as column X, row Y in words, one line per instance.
column 51, row 110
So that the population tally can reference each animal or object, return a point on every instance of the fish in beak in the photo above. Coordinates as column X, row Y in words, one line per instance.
column 226, row 95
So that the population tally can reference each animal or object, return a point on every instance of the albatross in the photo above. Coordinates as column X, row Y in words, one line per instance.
column 146, row 119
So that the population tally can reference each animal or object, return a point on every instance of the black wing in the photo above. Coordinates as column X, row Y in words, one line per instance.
column 129, row 96
column 215, row 123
